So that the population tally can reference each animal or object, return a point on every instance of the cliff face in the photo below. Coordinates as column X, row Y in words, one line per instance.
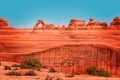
column 76, row 58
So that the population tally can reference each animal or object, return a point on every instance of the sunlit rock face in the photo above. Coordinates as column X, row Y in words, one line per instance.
column 69, row 51
column 44, row 26
column 77, row 58
column 96, row 25
column 76, row 24
column 115, row 24
column 4, row 24
column 2, row 47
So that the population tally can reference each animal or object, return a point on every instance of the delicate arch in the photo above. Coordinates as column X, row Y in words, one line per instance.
column 37, row 24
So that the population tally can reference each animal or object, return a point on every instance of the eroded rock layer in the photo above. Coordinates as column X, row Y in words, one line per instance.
column 77, row 58
column 115, row 24
column 4, row 25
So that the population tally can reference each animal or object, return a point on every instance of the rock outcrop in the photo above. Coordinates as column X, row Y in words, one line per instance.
column 80, row 24
column 115, row 24
column 76, row 59
column 80, row 48
column 4, row 24
column 44, row 26
column 76, row 24
column 96, row 25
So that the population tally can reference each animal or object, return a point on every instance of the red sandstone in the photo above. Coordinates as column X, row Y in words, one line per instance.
column 94, row 44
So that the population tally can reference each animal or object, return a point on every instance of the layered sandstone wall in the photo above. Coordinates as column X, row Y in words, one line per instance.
column 77, row 58
column 76, row 24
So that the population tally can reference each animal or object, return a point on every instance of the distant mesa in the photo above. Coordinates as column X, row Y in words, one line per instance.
column 4, row 24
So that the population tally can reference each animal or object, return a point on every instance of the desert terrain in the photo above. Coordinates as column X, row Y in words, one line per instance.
column 68, row 50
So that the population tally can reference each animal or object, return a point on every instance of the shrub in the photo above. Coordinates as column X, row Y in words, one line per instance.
column 31, row 63
column 30, row 73
column 13, row 73
column 52, row 70
column 7, row 68
column 97, row 72
column 91, row 70
column 15, row 65
column 48, row 78
column 70, row 75
column 102, row 72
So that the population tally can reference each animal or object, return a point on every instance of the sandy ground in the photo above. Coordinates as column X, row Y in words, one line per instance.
column 43, row 73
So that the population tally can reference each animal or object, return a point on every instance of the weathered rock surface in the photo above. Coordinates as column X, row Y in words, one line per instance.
column 96, row 25
column 64, row 49
column 4, row 24
column 76, row 24
column 80, row 24
column 44, row 26
column 76, row 58
column 115, row 24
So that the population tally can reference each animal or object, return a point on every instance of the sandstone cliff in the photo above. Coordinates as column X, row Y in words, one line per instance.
column 75, row 58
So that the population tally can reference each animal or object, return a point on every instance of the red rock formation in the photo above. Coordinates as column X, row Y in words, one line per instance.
column 4, row 24
column 81, row 49
column 2, row 47
column 76, row 24
column 76, row 58
column 44, row 26
column 96, row 25
column 37, row 24
column 115, row 24
column 104, row 25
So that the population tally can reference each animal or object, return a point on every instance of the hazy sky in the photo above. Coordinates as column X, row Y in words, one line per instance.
column 25, row 13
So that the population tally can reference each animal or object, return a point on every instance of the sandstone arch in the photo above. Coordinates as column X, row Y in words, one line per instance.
column 44, row 26
column 37, row 24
